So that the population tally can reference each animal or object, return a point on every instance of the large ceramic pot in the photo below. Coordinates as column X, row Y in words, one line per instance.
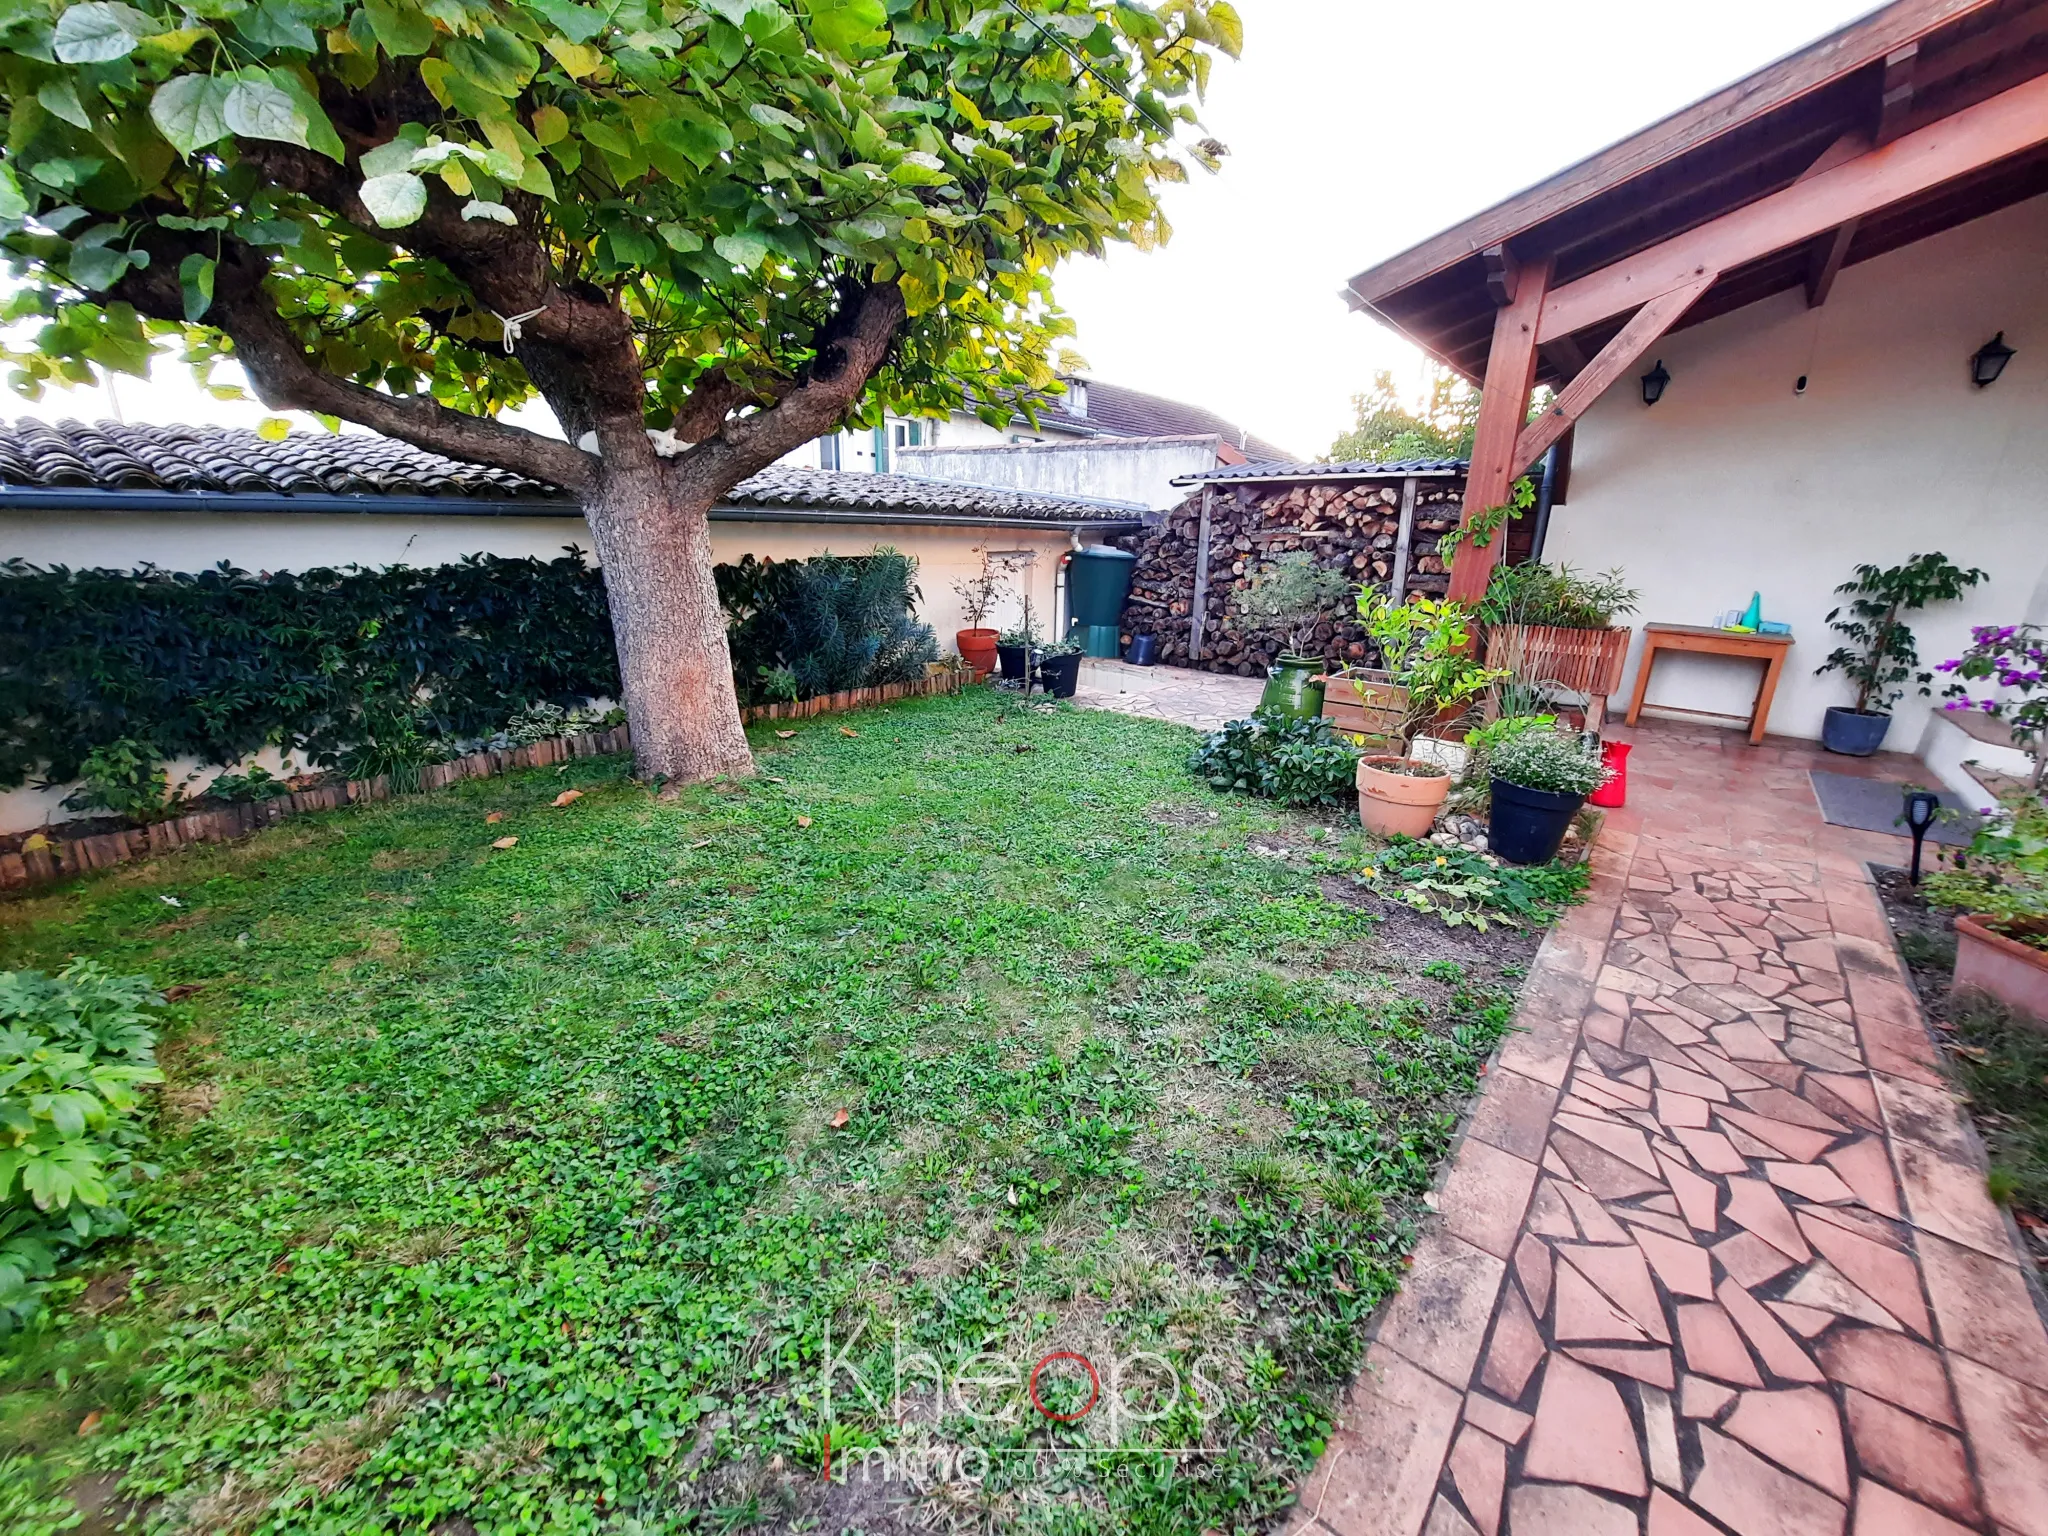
column 1294, row 688
column 1853, row 732
column 1400, row 796
column 1527, row 826
column 2014, row 973
column 978, row 649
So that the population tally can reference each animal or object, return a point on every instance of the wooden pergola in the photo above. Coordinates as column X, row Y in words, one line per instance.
column 1912, row 120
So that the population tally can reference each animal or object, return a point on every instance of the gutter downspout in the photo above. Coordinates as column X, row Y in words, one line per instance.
column 1545, row 489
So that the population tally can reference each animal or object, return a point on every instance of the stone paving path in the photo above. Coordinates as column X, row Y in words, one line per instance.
column 1715, row 1254
column 1204, row 700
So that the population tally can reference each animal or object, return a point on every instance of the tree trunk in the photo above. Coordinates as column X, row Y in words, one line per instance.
column 653, row 538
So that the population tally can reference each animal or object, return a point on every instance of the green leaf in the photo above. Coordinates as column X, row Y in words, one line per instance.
column 578, row 23
column 99, row 31
column 274, row 25
column 397, row 155
column 320, row 135
column 499, row 61
column 402, row 33
column 95, row 267
column 742, row 250
column 256, row 109
column 190, row 111
column 13, row 201
column 60, row 99
column 395, row 200
column 497, row 213
column 919, row 169
column 843, row 26
column 550, row 125
column 679, row 238
column 195, row 284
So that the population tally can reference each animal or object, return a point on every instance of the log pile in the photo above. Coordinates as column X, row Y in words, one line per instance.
column 1347, row 525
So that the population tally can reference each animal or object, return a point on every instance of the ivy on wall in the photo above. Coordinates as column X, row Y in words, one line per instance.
column 219, row 664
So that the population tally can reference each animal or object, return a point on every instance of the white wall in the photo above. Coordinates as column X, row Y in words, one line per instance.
column 1137, row 469
column 300, row 541
column 1733, row 484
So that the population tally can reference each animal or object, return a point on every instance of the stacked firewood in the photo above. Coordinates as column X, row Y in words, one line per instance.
column 1346, row 525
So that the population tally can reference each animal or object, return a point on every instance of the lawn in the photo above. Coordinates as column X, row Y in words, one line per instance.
column 528, row 1189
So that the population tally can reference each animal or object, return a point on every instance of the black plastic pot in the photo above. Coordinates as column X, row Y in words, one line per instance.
column 1011, row 660
column 1853, row 732
column 1144, row 651
column 1059, row 675
column 1527, row 826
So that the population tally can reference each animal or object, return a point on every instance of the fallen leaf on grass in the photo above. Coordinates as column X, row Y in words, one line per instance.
column 847, row 730
column 181, row 991
column 569, row 797
column 785, row 735
column 702, row 842
column 90, row 1423
column 838, row 1120
column 494, row 818
column 803, row 821
column 35, row 842
column 506, row 842
column 773, row 780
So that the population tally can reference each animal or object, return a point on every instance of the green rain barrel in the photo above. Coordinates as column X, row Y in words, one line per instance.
column 1098, row 586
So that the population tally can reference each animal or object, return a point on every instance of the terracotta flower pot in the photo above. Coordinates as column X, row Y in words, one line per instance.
column 2014, row 973
column 978, row 649
column 1398, row 795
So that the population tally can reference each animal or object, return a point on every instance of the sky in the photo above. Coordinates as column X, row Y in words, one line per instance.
column 1356, row 128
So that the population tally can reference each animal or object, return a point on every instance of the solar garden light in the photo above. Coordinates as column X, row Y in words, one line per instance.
column 1921, row 807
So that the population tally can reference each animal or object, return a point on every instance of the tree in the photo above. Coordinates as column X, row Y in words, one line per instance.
column 1438, row 426
column 703, row 231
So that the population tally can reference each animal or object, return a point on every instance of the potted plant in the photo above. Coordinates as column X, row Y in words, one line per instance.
column 2000, row 893
column 2015, row 657
column 1426, row 645
column 1554, row 629
column 1881, row 656
column 1059, row 667
column 1538, row 781
column 1292, row 595
column 979, row 594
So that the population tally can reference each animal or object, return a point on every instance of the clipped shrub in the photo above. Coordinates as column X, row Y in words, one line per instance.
column 74, row 1050
column 1275, row 757
column 1556, row 761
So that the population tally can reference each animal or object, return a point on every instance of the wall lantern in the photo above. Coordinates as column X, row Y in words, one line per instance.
column 1655, row 380
column 1989, row 360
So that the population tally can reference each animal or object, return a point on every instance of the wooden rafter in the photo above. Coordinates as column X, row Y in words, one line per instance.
column 1895, row 106
column 1824, row 260
column 1978, row 136
column 1613, row 360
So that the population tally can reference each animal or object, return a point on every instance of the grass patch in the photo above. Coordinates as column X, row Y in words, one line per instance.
column 2001, row 1062
column 524, row 1188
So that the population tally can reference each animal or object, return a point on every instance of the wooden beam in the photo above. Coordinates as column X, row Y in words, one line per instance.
column 1501, row 272
column 1824, row 260
column 1566, row 356
column 1616, row 358
column 2010, row 37
column 1975, row 137
column 1895, row 105
column 1848, row 147
column 1397, row 587
column 1503, row 407
column 1198, row 606
column 1862, row 43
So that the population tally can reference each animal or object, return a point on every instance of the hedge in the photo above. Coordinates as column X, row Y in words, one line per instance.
column 219, row 664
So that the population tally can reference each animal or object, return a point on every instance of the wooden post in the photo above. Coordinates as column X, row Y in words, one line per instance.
column 1198, row 609
column 1503, row 408
column 1397, row 587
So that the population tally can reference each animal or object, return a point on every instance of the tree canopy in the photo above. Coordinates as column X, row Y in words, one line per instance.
column 677, row 213
column 1388, row 429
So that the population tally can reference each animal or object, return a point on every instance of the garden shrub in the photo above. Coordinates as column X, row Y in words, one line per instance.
column 1557, row 762
column 74, row 1048
column 222, row 663
column 823, row 625
column 1297, row 762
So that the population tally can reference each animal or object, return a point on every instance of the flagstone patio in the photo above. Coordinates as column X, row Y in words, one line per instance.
column 1204, row 700
column 1715, row 1253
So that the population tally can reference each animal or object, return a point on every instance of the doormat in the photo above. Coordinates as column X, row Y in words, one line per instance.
column 1875, row 805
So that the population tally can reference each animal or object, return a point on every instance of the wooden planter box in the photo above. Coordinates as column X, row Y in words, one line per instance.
column 2014, row 973
column 1378, row 713
column 1583, row 660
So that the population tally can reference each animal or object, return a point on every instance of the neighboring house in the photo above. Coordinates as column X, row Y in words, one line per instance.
column 184, row 498
column 1808, row 264
column 1080, row 411
column 1139, row 469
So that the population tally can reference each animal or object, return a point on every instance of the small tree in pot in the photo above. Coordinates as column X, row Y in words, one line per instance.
column 1540, row 779
column 978, row 595
column 1425, row 643
column 1881, row 656
column 1292, row 595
